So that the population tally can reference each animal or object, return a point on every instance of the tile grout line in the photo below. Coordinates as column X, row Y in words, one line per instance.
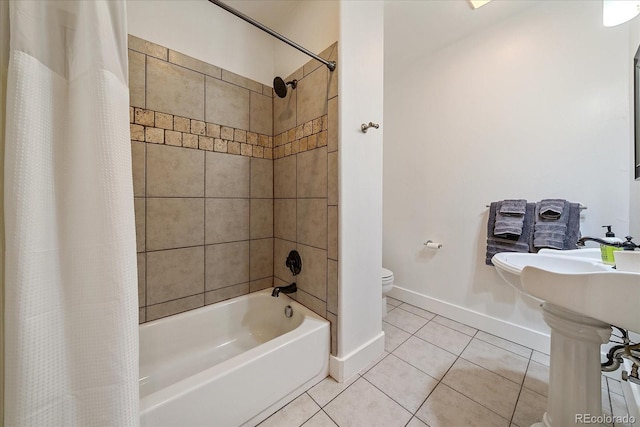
column 391, row 398
column 443, row 376
column 513, row 414
column 329, row 416
column 439, row 381
column 521, row 386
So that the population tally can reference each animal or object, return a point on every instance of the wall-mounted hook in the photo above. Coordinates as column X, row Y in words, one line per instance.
column 365, row 126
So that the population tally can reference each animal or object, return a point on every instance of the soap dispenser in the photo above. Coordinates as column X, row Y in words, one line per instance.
column 606, row 251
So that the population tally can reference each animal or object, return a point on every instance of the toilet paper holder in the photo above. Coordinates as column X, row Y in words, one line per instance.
column 433, row 245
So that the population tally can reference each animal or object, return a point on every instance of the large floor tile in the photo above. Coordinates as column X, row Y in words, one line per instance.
column 293, row 414
column 402, row 382
column 393, row 336
column 448, row 408
column 415, row 422
column 537, row 378
column 374, row 363
column 404, row 320
column 394, row 302
column 530, row 409
column 495, row 359
column 364, row 405
column 425, row 356
column 327, row 389
column 504, row 344
column 485, row 387
column 320, row 419
column 444, row 337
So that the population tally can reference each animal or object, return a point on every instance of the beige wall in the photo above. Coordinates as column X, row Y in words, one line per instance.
column 216, row 215
column 306, row 187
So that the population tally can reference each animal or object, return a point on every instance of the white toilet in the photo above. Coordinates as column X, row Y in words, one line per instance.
column 387, row 285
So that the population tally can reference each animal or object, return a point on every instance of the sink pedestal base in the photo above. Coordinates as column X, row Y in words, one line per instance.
column 574, row 372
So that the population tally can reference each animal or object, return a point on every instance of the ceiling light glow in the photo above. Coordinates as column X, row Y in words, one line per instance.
column 478, row 3
column 616, row 12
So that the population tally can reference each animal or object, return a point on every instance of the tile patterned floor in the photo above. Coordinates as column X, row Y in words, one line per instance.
column 436, row 372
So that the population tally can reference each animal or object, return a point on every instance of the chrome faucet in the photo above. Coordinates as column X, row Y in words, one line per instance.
column 284, row 289
column 628, row 245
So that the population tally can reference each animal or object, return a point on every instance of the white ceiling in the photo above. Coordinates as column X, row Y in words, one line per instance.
column 412, row 28
column 416, row 28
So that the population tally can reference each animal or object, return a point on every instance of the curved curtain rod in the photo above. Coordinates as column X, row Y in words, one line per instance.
column 331, row 65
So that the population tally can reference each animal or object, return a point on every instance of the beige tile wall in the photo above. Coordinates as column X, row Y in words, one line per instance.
column 203, row 181
column 305, row 176
column 229, row 179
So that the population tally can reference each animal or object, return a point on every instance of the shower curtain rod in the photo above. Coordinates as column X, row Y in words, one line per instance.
column 331, row 65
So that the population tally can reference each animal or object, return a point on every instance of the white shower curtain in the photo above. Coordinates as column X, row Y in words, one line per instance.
column 71, row 318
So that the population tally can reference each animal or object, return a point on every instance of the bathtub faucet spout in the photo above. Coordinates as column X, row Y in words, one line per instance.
column 284, row 289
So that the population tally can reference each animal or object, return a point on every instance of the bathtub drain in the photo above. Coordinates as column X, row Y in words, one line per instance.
column 288, row 311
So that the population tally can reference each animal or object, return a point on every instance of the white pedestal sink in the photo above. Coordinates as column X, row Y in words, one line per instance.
column 581, row 297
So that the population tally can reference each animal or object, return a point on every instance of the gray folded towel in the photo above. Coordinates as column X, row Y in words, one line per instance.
column 559, row 233
column 508, row 229
column 548, row 235
column 573, row 227
column 497, row 244
column 508, row 226
column 552, row 208
column 513, row 207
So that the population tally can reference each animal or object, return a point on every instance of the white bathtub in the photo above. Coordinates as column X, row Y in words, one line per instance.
column 231, row 363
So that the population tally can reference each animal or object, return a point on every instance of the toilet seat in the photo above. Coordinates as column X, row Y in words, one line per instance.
column 387, row 277
column 387, row 285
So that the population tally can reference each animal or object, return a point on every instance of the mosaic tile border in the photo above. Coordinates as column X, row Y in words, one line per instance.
column 307, row 136
column 155, row 127
column 161, row 128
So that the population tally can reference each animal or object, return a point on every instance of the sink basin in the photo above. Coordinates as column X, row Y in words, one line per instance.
column 577, row 281
column 510, row 264
column 581, row 297
column 609, row 296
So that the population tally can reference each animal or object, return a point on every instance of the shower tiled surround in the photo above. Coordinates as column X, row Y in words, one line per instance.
column 215, row 214
column 305, row 191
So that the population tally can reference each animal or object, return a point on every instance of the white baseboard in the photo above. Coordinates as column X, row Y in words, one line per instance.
column 343, row 368
column 509, row 331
